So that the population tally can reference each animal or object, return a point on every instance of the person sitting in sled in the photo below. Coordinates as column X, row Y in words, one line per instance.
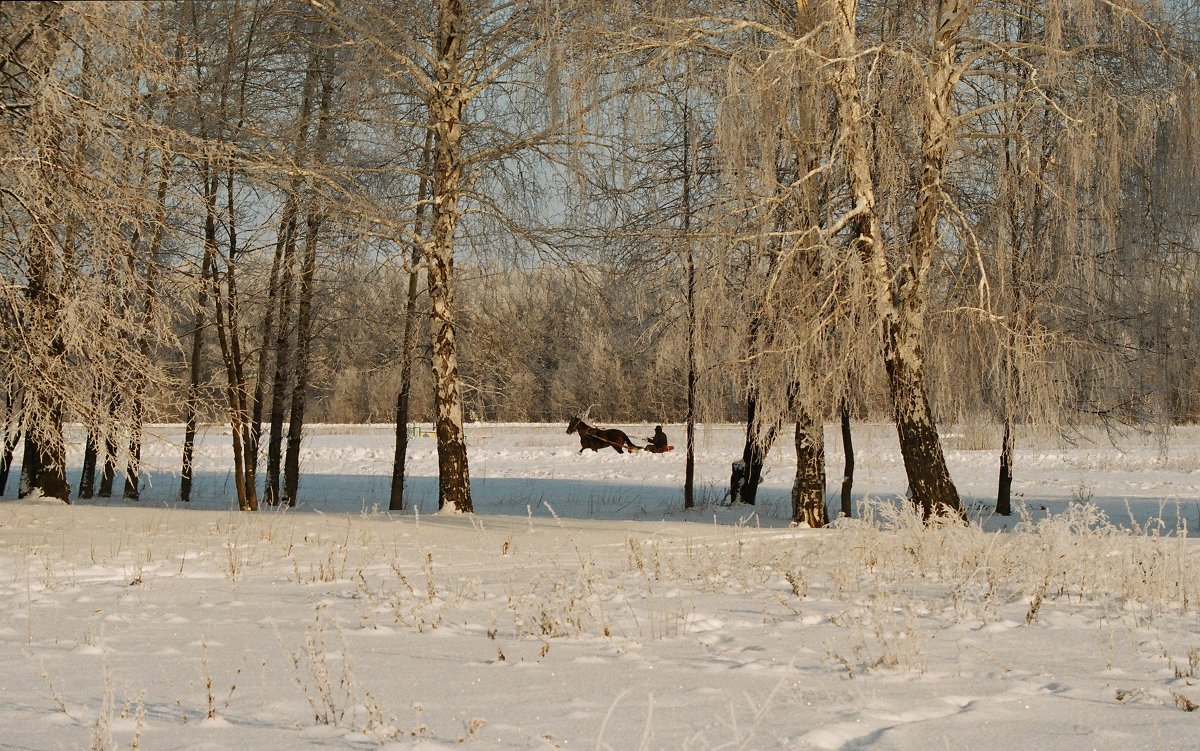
column 659, row 441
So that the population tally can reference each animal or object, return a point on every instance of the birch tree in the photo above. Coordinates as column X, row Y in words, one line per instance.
column 472, row 66
column 902, row 308
column 1052, row 110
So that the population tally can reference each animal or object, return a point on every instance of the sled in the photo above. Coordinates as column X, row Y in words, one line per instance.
column 659, row 449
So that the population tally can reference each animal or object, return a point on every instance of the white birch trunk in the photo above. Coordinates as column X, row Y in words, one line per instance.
column 447, row 103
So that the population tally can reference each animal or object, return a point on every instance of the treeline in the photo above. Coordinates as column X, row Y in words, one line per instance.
column 271, row 213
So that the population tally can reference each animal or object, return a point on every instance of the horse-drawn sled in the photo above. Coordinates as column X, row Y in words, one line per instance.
column 594, row 438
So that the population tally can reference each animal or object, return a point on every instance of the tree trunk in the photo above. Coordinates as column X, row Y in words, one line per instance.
column 399, row 461
column 133, row 471
column 747, row 474
column 924, row 461
column 225, row 318
column 267, row 352
column 399, row 458
column 237, row 360
column 1004, row 487
column 689, row 464
column 281, row 287
column 932, row 490
column 447, row 104
column 87, row 475
column 43, row 464
column 30, row 466
column 689, row 467
column 247, row 500
column 848, row 471
column 108, row 470
column 308, row 270
column 286, row 252
column 1026, row 240
column 408, row 343
column 192, row 404
column 808, row 490
column 291, row 468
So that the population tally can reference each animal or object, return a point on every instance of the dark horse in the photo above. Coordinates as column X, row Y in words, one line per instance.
column 597, row 438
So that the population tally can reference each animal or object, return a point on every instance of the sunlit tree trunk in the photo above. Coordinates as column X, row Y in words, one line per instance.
column 808, row 489
column 924, row 461
column 447, row 104
column 902, row 316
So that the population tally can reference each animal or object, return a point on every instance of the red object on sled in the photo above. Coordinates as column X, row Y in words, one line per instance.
column 659, row 449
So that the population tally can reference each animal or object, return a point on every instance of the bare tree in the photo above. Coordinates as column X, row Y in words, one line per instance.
column 73, row 208
column 314, row 216
column 475, row 57
column 278, row 323
column 1036, row 118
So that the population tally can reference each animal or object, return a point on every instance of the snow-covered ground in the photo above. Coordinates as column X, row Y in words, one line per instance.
column 581, row 607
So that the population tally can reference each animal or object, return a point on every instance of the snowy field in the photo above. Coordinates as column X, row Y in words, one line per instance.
column 581, row 607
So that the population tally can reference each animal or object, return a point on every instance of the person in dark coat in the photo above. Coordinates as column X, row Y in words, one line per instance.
column 659, row 441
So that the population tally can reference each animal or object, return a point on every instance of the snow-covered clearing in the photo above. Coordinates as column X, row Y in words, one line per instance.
column 582, row 608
